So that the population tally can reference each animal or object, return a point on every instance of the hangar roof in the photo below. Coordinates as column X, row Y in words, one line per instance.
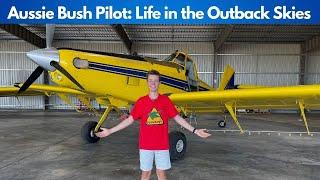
column 180, row 33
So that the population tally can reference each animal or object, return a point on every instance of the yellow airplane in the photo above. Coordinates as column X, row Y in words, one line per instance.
column 118, row 80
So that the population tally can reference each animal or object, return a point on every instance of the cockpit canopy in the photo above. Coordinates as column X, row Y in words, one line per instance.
column 178, row 58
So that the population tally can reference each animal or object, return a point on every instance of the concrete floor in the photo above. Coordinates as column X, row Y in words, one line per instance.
column 47, row 145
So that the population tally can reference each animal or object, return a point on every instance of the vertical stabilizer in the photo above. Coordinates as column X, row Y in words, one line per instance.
column 227, row 80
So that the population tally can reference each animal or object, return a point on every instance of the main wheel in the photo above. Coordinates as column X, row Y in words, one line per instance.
column 222, row 123
column 87, row 132
column 178, row 145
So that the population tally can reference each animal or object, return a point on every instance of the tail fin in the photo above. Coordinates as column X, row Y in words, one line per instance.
column 227, row 81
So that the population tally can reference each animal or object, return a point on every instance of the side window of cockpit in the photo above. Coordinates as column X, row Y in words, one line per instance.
column 180, row 60
column 191, row 75
column 189, row 67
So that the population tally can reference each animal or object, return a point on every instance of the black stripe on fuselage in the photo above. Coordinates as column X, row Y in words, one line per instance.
column 170, row 81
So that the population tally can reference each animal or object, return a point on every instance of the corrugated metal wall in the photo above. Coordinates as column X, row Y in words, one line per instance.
column 201, row 53
column 261, row 64
column 16, row 67
column 313, row 68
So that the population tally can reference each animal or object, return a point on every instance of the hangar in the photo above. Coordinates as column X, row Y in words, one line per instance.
column 39, row 135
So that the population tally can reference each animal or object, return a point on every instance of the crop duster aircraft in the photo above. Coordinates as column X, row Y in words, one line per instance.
column 118, row 80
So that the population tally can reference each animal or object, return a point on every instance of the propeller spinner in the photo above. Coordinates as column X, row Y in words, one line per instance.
column 47, row 59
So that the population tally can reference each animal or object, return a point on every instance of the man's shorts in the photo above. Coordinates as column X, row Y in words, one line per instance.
column 161, row 157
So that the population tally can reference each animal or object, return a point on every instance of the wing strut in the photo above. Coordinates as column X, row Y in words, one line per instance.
column 302, row 108
column 233, row 115
column 86, row 101
column 67, row 100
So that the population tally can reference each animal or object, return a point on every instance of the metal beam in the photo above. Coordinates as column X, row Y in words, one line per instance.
column 312, row 44
column 223, row 36
column 302, row 67
column 118, row 28
column 23, row 33
column 46, row 98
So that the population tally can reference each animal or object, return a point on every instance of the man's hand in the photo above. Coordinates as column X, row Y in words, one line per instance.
column 104, row 133
column 202, row 133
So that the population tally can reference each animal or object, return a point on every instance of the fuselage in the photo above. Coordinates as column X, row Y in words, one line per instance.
column 120, row 76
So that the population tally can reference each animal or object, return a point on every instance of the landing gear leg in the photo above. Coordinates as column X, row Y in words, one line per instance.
column 90, row 128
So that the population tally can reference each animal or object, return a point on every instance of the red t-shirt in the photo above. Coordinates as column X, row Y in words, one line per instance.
column 154, row 116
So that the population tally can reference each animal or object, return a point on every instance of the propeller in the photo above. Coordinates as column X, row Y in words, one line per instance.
column 47, row 60
column 64, row 72
column 49, row 34
column 38, row 71
column 34, row 76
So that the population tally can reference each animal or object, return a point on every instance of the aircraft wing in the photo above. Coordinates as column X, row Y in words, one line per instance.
column 261, row 98
column 39, row 89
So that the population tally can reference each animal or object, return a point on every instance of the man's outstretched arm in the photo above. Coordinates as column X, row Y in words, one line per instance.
column 200, row 132
column 106, row 132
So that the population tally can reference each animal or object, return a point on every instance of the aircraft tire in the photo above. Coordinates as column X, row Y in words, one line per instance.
column 178, row 145
column 222, row 123
column 87, row 132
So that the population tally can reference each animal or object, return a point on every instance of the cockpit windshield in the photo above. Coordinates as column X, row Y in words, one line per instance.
column 180, row 59
column 170, row 58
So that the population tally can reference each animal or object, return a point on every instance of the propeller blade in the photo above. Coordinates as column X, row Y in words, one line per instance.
column 64, row 72
column 34, row 76
column 49, row 34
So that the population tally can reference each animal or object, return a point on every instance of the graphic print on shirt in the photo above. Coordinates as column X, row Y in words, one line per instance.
column 154, row 118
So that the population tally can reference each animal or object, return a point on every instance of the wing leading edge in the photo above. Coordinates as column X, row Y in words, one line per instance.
column 39, row 89
column 291, row 97
column 271, row 98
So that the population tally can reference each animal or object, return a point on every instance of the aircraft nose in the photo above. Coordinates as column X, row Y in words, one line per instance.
column 43, row 57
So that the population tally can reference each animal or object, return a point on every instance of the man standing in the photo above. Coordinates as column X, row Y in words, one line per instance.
column 154, row 110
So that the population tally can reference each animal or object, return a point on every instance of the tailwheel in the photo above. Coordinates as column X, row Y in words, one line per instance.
column 87, row 132
column 222, row 123
column 178, row 145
